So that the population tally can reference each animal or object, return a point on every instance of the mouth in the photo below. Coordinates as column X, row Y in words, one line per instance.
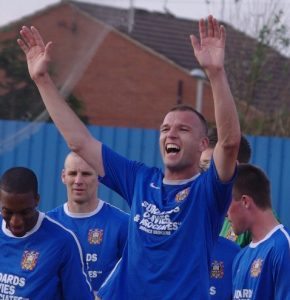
column 78, row 190
column 172, row 148
column 17, row 231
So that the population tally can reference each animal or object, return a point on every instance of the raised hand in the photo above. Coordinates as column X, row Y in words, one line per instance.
column 210, row 50
column 37, row 53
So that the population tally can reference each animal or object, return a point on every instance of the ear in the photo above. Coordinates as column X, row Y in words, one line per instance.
column 204, row 143
column 63, row 176
column 246, row 201
column 37, row 199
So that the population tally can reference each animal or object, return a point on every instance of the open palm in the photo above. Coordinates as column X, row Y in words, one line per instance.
column 211, row 49
column 37, row 53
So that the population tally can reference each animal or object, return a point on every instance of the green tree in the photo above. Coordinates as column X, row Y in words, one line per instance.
column 19, row 97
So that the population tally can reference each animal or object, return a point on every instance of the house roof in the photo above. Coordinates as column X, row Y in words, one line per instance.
column 169, row 36
column 260, row 79
column 163, row 33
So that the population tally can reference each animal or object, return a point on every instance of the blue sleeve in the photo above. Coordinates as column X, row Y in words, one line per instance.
column 123, row 235
column 120, row 173
column 281, row 271
column 220, row 193
column 75, row 282
column 216, row 197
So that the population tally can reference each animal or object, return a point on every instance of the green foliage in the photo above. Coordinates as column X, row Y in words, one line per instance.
column 273, row 34
column 19, row 97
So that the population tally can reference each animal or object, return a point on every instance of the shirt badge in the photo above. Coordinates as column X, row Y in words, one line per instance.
column 217, row 269
column 29, row 260
column 182, row 195
column 231, row 235
column 256, row 267
column 95, row 236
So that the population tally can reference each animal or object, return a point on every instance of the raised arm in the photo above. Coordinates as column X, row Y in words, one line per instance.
column 75, row 133
column 210, row 52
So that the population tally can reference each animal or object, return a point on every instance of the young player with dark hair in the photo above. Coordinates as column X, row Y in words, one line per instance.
column 39, row 258
column 262, row 269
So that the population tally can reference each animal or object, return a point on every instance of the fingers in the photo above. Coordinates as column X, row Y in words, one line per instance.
column 210, row 26
column 202, row 29
column 37, row 37
column 211, row 29
column 30, row 38
column 216, row 28
column 48, row 49
column 27, row 37
column 23, row 46
column 194, row 42
column 222, row 33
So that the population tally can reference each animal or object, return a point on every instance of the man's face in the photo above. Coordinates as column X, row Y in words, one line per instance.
column 19, row 211
column 237, row 214
column 205, row 158
column 181, row 140
column 80, row 179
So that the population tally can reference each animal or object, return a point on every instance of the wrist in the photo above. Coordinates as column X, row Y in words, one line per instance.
column 216, row 73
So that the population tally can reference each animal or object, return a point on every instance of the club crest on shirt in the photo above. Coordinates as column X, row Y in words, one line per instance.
column 231, row 235
column 256, row 267
column 95, row 236
column 217, row 269
column 182, row 195
column 29, row 260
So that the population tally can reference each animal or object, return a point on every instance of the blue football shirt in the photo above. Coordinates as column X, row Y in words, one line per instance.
column 262, row 270
column 102, row 234
column 173, row 226
column 45, row 264
column 222, row 258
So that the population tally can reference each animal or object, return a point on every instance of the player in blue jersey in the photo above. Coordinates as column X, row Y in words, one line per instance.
column 176, row 214
column 224, row 250
column 222, row 258
column 100, row 227
column 39, row 258
column 262, row 269
column 244, row 156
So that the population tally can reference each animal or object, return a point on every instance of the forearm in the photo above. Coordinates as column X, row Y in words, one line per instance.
column 75, row 133
column 228, row 127
column 226, row 116
column 72, row 129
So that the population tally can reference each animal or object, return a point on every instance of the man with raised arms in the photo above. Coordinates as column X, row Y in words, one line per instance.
column 176, row 214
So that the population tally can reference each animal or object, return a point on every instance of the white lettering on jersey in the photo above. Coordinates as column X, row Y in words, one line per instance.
column 8, row 285
column 212, row 290
column 155, row 221
column 91, row 257
column 243, row 294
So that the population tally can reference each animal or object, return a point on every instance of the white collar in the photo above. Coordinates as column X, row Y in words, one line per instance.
column 179, row 182
column 268, row 235
column 83, row 215
column 7, row 232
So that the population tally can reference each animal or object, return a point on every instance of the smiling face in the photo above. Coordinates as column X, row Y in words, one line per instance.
column 81, row 181
column 182, row 141
column 19, row 211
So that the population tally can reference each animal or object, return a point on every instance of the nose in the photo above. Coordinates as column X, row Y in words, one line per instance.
column 172, row 132
column 16, row 220
column 78, row 179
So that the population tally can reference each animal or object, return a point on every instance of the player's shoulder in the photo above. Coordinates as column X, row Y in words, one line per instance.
column 55, row 211
column 226, row 243
column 115, row 211
column 282, row 236
column 57, row 230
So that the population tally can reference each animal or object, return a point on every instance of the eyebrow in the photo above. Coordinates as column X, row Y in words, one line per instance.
column 22, row 210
